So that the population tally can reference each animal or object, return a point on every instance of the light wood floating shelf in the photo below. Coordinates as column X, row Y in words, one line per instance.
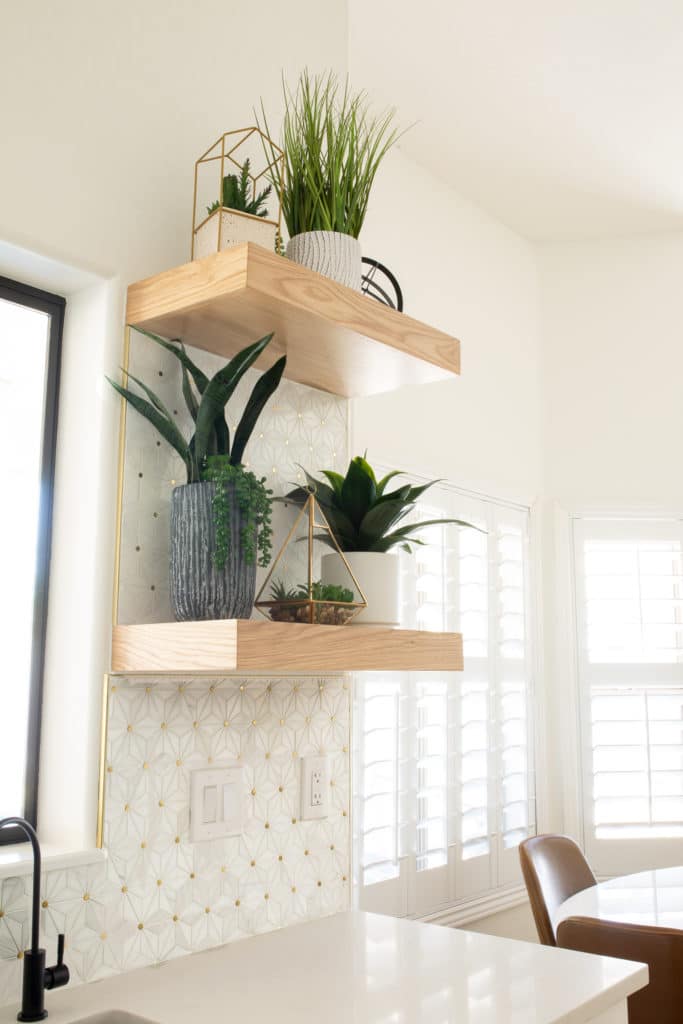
column 243, row 645
column 335, row 339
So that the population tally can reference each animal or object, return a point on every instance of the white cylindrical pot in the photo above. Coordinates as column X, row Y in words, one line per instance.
column 330, row 253
column 379, row 577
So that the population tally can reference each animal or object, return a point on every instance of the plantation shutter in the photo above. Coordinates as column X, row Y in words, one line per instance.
column 629, row 599
column 445, row 784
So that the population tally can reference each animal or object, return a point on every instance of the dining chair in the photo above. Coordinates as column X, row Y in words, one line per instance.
column 661, row 1001
column 554, row 868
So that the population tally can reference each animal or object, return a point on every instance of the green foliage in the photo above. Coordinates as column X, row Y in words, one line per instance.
column 238, row 194
column 319, row 592
column 330, row 592
column 333, row 147
column 209, row 455
column 254, row 503
column 206, row 400
column 279, row 591
column 362, row 514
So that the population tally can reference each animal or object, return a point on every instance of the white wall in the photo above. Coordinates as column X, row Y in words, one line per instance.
column 613, row 364
column 112, row 104
column 467, row 274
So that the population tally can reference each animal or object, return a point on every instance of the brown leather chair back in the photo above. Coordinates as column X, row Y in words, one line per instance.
column 554, row 869
column 660, row 1002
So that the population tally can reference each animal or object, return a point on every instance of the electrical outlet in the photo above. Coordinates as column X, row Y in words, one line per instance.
column 317, row 795
column 315, row 786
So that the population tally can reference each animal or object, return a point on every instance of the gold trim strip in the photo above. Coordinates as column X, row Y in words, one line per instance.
column 99, row 839
column 119, row 483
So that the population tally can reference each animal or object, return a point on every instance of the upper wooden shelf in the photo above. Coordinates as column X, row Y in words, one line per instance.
column 243, row 645
column 335, row 339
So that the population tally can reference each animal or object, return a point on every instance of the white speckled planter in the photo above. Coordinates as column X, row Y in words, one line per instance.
column 234, row 228
column 330, row 253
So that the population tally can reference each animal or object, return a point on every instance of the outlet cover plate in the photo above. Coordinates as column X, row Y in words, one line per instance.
column 315, row 787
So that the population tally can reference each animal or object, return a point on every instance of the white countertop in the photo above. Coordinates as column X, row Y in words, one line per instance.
column 653, row 898
column 357, row 968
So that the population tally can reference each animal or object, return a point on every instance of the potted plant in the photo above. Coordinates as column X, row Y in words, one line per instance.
column 333, row 147
column 327, row 604
column 220, row 519
column 240, row 215
column 368, row 522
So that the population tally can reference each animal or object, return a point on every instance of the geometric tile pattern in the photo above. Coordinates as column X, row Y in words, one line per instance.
column 160, row 896
column 300, row 426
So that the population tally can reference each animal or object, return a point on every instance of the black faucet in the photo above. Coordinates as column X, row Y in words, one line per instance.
column 37, row 977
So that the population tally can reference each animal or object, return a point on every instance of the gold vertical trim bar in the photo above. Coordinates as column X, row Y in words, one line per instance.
column 99, row 839
column 119, row 485
column 220, row 195
column 311, row 516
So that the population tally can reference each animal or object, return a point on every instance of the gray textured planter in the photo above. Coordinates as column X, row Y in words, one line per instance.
column 198, row 590
column 330, row 253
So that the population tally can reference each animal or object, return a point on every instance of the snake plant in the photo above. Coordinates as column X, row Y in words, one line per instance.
column 362, row 514
column 206, row 399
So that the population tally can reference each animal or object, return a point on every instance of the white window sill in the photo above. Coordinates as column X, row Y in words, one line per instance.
column 470, row 910
column 17, row 860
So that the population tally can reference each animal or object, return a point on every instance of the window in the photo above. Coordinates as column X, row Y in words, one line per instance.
column 629, row 600
column 444, row 763
column 30, row 340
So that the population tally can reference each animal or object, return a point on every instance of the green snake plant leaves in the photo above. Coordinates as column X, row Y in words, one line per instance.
column 206, row 399
column 362, row 514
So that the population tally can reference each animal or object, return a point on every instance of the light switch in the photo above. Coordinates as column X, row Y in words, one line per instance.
column 210, row 804
column 217, row 801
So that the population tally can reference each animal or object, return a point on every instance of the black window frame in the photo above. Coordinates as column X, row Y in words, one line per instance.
column 54, row 306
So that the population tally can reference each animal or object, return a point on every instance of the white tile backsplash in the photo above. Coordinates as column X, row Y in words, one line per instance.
column 160, row 896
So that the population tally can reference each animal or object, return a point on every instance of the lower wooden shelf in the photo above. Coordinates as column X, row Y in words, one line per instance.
column 243, row 645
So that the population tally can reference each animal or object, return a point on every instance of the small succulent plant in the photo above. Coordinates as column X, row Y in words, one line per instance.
column 239, row 195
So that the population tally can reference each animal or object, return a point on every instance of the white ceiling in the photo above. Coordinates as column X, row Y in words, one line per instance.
column 563, row 118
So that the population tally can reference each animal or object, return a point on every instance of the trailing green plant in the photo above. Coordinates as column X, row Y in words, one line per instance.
column 362, row 514
column 211, row 453
column 333, row 147
column 254, row 501
column 238, row 194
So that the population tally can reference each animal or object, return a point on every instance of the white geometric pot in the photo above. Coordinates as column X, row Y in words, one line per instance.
column 330, row 253
column 234, row 227
column 378, row 575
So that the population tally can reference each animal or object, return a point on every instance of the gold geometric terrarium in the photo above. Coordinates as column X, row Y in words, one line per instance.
column 234, row 201
column 290, row 592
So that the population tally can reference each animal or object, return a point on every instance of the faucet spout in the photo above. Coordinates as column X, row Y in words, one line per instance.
column 37, row 977
column 32, row 837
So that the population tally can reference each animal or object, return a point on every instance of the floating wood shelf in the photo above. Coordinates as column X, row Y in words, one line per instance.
column 242, row 645
column 335, row 339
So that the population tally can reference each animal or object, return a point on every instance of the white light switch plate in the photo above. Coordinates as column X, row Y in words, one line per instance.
column 217, row 802
column 315, row 787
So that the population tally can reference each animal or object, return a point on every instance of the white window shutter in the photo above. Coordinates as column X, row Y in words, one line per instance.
column 444, row 762
column 629, row 599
